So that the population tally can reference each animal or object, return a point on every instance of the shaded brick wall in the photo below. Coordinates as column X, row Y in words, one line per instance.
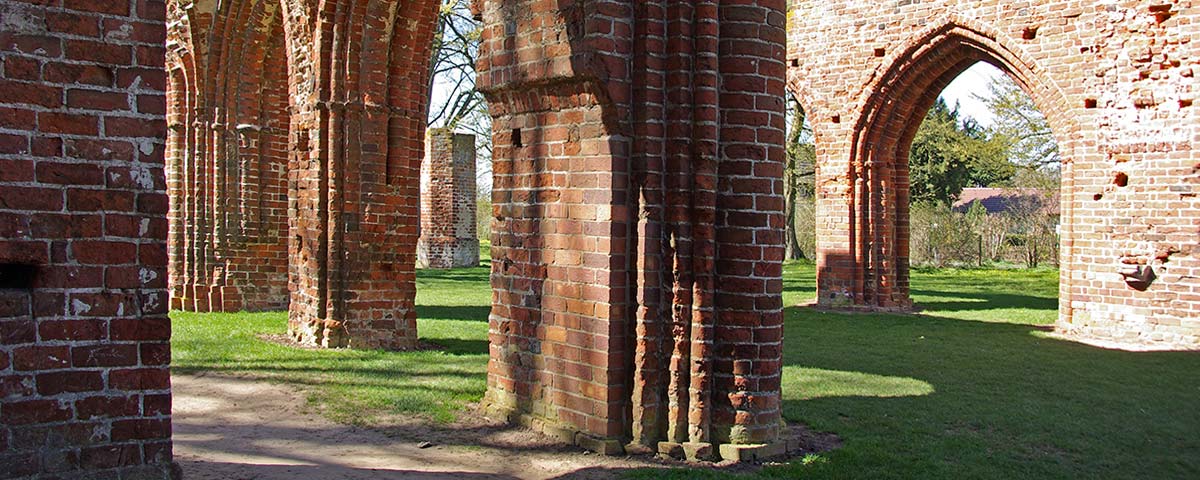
column 449, row 236
column 84, row 383
column 1116, row 81
column 637, row 214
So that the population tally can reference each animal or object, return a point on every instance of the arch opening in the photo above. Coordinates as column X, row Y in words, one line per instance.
column 879, row 246
column 985, row 177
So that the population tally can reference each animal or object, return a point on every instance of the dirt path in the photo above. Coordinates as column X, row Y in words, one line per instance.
column 241, row 429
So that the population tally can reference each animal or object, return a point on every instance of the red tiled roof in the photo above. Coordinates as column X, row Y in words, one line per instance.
column 999, row 200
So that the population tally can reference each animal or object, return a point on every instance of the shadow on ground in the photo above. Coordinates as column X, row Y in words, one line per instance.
column 974, row 387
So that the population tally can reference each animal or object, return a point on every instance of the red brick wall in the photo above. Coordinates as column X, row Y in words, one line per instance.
column 84, row 383
column 637, row 197
column 360, row 89
column 298, row 129
column 449, row 237
column 227, row 158
column 1117, row 84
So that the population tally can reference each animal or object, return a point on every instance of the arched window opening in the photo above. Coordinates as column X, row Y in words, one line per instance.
column 984, row 177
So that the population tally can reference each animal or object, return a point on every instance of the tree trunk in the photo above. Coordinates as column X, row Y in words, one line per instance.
column 790, row 188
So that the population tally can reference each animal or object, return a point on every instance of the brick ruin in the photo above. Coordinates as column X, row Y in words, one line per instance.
column 449, row 232
column 84, row 352
column 297, row 130
column 1115, row 80
column 637, row 245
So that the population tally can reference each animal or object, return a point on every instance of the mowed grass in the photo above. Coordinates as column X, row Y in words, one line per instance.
column 972, row 388
column 356, row 386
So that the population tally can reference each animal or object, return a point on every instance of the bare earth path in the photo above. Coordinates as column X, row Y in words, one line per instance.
column 240, row 429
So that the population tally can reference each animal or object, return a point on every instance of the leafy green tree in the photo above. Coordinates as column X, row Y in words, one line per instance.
column 948, row 155
column 987, row 156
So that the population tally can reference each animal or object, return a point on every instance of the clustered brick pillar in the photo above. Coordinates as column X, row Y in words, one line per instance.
column 637, row 233
column 320, row 182
column 84, row 382
column 227, row 157
column 449, row 235
column 1117, row 84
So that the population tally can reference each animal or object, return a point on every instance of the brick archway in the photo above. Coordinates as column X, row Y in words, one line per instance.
column 663, row 326
column 1116, row 85
column 894, row 107
column 638, row 277
column 227, row 158
column 296, row 141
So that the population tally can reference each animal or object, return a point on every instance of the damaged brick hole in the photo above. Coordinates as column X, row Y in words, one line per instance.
column 17, row 276
column 1162, row 12
column 1121, row 179
column 1137, row 273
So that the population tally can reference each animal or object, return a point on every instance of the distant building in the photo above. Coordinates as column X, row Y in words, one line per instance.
column 1001, row 200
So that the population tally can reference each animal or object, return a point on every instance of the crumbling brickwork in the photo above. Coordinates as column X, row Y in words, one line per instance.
column 84, row 383
column 297, row 133
column 637, row 201
column 1116, row 81
column 449, row 232
column 637, row 212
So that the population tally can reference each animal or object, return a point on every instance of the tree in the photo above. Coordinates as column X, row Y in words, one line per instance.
column 454, row 101
column 455, row 51
column 948, row 155
column 798, row 174
column 1020, row 126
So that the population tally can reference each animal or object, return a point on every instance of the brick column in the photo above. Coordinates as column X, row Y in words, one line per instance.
column 84, row 382
column 449, row 237
column 637, row 255
column 360, row 92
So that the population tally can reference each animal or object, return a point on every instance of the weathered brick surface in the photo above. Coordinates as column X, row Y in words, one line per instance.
column 637, row 196
column 1116, row 80
column 298, row 130
column 227, row 158
column 449, row 232
column 83, row 348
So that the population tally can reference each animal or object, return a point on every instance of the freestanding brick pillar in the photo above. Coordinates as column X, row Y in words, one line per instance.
column 449, row 235
column 637, row 239
column 1117, row 84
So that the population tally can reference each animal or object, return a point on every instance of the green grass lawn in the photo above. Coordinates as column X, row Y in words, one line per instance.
column 355, row 386
column 973, row 388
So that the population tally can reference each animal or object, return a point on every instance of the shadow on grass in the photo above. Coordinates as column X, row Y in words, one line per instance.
column 982, row 301
column 931, row 396
column 472, row 275
column 1006, row 400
